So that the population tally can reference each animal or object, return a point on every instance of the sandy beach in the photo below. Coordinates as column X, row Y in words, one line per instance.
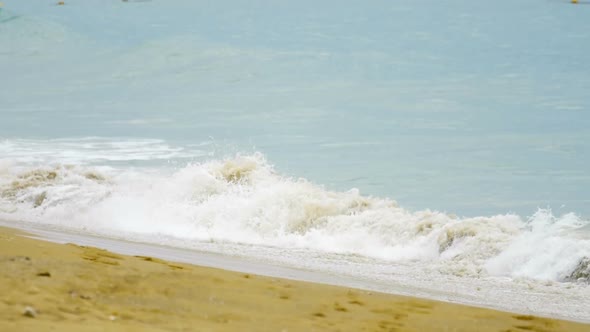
column 47, row 286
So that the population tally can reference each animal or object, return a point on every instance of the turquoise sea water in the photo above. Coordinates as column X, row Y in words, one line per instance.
column 460, row 106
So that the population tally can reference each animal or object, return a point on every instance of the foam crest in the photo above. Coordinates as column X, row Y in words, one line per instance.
column 93, row 150
column 547, row 248
column 243, row 200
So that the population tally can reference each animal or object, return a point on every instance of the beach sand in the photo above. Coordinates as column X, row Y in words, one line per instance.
column 46, row 286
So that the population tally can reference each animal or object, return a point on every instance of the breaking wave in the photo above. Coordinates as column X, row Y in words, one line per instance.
column 243, row 200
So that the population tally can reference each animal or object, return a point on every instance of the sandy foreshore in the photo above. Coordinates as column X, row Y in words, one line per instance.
column 47, row 286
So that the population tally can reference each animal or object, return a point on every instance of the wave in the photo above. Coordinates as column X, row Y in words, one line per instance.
column 96, row 150
column 243, row 200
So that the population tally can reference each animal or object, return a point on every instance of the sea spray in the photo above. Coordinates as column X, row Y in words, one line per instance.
column 546, row 248
column 244, row 200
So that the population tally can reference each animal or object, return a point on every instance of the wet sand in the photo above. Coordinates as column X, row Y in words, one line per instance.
column 47, row 286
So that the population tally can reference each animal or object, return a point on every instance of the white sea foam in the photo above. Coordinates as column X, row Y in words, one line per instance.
column 92, row 150
column 243, row 200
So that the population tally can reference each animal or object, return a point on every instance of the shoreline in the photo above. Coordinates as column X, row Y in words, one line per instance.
column 505, row 296
column 73, row 287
